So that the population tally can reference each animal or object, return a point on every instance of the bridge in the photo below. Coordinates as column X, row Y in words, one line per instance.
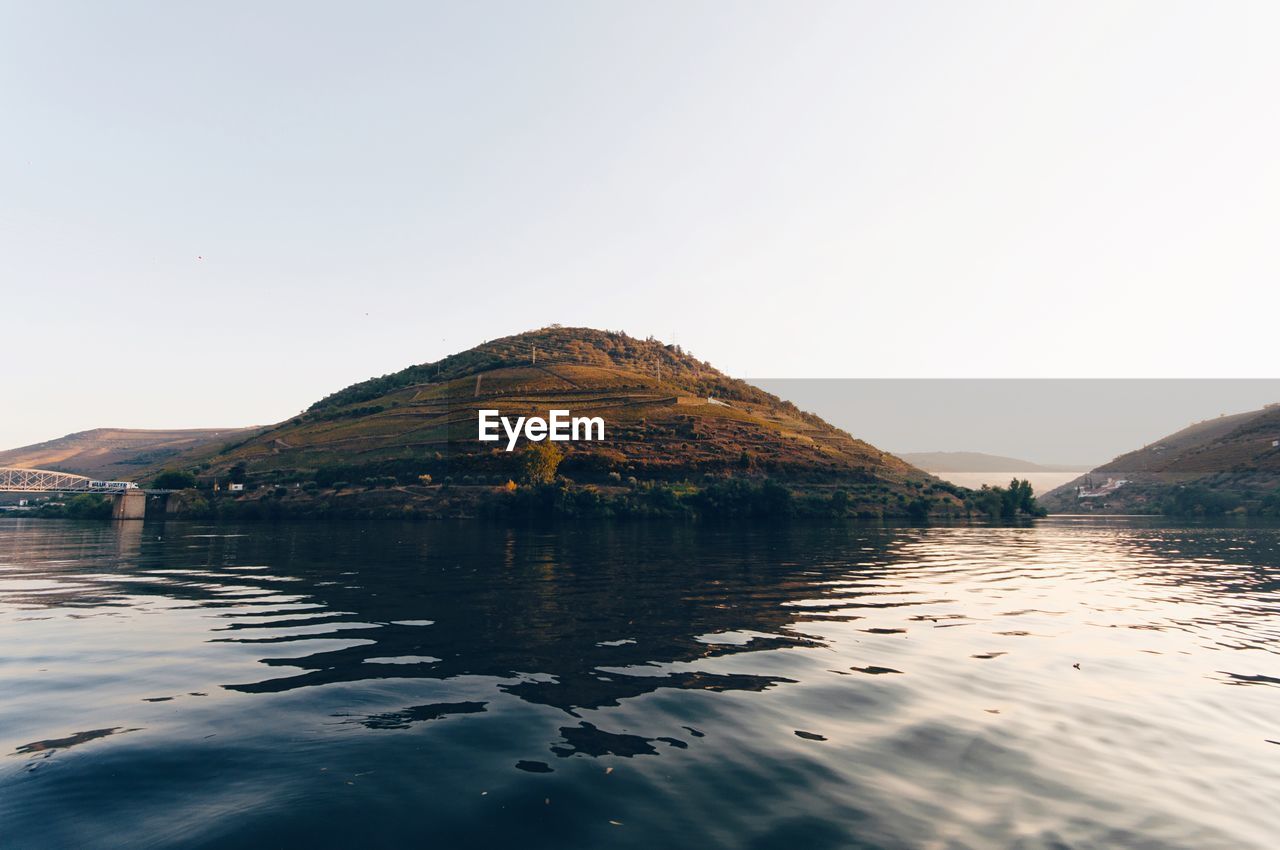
column 130, row 501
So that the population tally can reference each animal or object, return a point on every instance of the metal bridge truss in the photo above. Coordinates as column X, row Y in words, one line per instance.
column 46, row 481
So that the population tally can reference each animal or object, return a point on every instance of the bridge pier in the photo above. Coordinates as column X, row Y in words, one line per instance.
column 130, row 504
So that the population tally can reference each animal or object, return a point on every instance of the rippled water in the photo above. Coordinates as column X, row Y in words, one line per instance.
column 1077, row 684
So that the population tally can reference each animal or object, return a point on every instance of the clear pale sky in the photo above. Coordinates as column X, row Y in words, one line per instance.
column 1084, row 422
column 214, row 214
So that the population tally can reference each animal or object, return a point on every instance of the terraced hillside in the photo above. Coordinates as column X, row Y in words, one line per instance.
column 669, row 418
column 1238, row 443
column 1231, row 462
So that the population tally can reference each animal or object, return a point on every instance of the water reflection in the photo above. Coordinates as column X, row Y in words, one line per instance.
column 549, row 611
column 855, row 686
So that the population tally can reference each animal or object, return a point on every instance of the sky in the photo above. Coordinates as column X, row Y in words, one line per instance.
column 1081, row 422
column 215, row 214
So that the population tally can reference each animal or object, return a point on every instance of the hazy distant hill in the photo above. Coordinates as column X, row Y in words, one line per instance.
column 1228, row 461
column 669, row 417
column 980, row 462
column 117, row 453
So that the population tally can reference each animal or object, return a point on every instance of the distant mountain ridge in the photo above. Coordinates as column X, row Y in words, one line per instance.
column 117, row 453
column 980, row 462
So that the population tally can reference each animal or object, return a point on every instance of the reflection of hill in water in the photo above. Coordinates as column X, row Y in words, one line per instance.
column 580, row 618
column 550, row 612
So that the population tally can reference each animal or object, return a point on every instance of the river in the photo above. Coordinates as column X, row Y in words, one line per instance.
column 1074, row 683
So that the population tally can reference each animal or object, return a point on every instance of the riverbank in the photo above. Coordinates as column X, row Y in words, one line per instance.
column 725, row 498
column 721, row 499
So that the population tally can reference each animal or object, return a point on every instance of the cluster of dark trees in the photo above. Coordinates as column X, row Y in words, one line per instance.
column 1193, row 500
column 1197, row 501
column 83, row 506
column 1006, row 503
column 349, row 413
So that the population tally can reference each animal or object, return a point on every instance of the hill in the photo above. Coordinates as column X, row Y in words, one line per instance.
column 979, row 462
column 118, row 453
column 1227, row 463
column 671, row 420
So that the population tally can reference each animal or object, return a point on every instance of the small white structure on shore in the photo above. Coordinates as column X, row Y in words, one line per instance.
column 1112, row 485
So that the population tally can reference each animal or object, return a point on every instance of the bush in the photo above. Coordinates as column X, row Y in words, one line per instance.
column 173, row 479
column 1195, row 500
column 918, row 509
column 539, row 462
column 736, row 497
column 84, row 506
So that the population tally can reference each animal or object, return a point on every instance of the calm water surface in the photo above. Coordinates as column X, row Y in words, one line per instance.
column 639, row 686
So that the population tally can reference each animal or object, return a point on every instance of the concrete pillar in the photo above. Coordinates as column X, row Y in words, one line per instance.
column 130, row 504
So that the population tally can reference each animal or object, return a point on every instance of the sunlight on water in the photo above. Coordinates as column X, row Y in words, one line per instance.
column 1080, row 683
